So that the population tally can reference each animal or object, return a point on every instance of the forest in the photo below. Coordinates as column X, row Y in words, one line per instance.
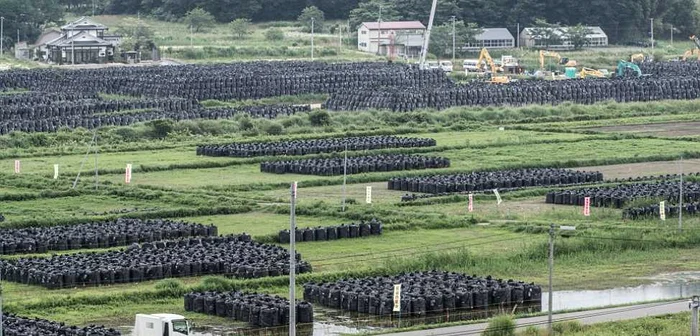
column 623, row 20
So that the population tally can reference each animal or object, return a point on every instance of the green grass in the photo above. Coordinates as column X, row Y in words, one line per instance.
column 169, row 177
column 667, row 325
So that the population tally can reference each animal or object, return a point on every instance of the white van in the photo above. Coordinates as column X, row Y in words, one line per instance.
column 433, row 65
column 446, row 66
column 470, row 65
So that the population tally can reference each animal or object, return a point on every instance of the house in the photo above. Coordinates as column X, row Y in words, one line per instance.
column 595, row 38
column 403, row 38
column 492, row 38
column 79, row 42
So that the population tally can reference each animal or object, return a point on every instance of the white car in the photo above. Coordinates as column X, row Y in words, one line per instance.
column 433, row 65
column 446, row 66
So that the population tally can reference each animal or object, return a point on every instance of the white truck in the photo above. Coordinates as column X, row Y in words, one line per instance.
column 161, row 325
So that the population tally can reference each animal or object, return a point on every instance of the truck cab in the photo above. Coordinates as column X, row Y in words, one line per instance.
column 161, row 325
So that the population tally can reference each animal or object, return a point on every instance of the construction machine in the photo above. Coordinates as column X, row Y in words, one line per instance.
column 495, row 78
column 546, row 53
column 622, row 67
column 637, row 58
column 688, row 53
column 588, row 72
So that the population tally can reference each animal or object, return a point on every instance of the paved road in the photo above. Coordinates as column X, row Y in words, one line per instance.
column 585, row 317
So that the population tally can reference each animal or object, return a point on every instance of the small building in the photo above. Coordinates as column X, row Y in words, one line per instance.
column 596, row 38
column 492, row 38
column 79, row 42
column 21, row 51
column 393, row 38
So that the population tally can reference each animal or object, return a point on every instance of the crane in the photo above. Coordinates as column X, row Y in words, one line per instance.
column 544, row 53
column 622, row 66
column 484, row 56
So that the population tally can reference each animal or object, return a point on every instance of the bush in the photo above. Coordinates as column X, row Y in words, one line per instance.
column 172, row 286
column 320, row 118
column 160, row 128
column 502, row 325
column 274, row 34
column 273, row 128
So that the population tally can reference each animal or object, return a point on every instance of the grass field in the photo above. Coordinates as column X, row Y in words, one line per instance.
column 506, row 241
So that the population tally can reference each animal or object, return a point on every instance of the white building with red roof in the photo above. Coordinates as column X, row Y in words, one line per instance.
column 392, row 38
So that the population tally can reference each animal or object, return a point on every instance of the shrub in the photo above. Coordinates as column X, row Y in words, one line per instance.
column 171, row 286
column 160, row 128
column 274, row 34
column 273, row 128
column 502, row 325
column 320, row 118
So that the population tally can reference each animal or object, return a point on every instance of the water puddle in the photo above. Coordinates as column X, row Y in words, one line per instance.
column 330, row 322
column 667, row 287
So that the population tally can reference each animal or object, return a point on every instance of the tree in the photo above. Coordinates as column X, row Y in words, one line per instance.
column 441, row 37
column 546, row 34
column 137, row 35
column 274, row 34
column 240, row 28
column 309, row 13
column 199, row 19
column 368, row 11
column 577, row 35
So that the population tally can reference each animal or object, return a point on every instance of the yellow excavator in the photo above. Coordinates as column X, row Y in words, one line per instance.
column 637, row 58
column 688, row 53
column 546, row 53
column 588, row 72
column 484, row 56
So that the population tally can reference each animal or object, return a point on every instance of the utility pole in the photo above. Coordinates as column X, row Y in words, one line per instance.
column 426, row 38
column 97, row 174
column 292, row 261
column 345, row 175
column 72, row 52
column 551, row 270
column 454, row 39
column 340, row 38
column 2, row 33
column 1, row 304
column 379, row 34
column 17, row 35
column 93, row 8
column 517, row 36
column 191, row 32
column 652, row 33
column 680, row 198
column 672, row 34
column 313, row 21
column 694, row 304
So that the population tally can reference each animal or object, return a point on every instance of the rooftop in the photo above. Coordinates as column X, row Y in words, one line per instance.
column 83, row 24
column 494, row 34
column 394, row 25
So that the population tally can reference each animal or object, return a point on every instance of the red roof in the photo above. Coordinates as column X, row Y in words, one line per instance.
column 394, row 25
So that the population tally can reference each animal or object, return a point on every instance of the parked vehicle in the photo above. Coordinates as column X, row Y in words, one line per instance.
column 161, row 325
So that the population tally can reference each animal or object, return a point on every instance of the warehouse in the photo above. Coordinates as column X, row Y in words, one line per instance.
column 528, row 38
column 492, row 38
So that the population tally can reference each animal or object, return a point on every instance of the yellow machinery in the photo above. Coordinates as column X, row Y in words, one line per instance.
column 637, row 58
column 588, row 72
column 690, row 52
column 484, row 56
column 545, row 53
